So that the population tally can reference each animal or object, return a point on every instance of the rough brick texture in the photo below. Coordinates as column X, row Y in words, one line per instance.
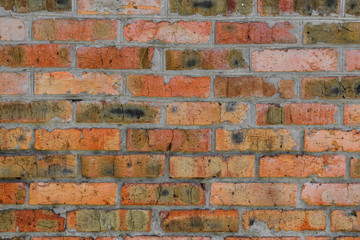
column 179, row 119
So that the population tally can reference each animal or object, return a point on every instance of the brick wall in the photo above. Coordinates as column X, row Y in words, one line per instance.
column 179, row 119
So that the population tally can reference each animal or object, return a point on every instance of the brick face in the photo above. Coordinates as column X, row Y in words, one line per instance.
column 179, row 119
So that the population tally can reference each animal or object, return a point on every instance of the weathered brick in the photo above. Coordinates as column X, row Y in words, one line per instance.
column 73, row 238
column 12, row 29
column 31, row 221
column 14, row 83
column 352, row 114
column 331, row 140
column 35, row 112
column 74, row 30
column 212, row 166
column 286, row 220
column 12, row 193
column 123, row 166
column 200, row 221
column 77, row 139
column 253, row 33
column 243, row 87
column 34, row 166
column 27, row 6
column 295, row 113
column 42, row 55
column 342, row 221
column 295, row 60
column 328, row 194
column 170, row 238
column 286, row 88
column 15, row 138
column 178, row 86
column 162, row 194
column 95, row 220
column 114, row 58
column 262, row 140
column 177, row 32
column 302, row 166
column 233, row 112
column 352, row 7
column 125, row 7
column 253, row 194
column 265, row 238
column 211, row 7
column 173, row 140
column 302, row 7
column 72, row 193
column 208, row 59
column 355, row 168
column 352, row 59
column 67, row 83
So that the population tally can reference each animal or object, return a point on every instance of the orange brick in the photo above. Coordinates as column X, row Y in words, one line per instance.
column 34, row 166
column 173, row 140
column 327, row 194
column 67, row 83
column 212, row 166
column 74, row 30
column 331, row 140
column 162, row 194
column 73, row 238
column 253, row 194
column 352, row 60
column 15, row 138
column 352, row 115
column 286, row 89
column 123, row 166
column 290, row 220
column 233, row 112
column 200, row 221
column 342, row 221
column 294, row 60
column 179, row 86
column 165, row 238
column 77, row 139
column 177, row 32
column 12, row 29
column 97, row 220
column 264, row 238
column 295, row 113
column 73, row 193
column 42, row 55
column 302, row 166
column 114, row 58
column 14, row 83
column 12, row 193
column 262, row 140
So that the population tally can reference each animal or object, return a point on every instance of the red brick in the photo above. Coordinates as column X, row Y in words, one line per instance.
column 290, row 220
column 200, row 221
column 12, row 29
column 77, row 139
column 15, row 138
column 234, row 32
column 43, row 55
column 173, row 140
column 96, row 220
column 352, row 115
column 342, row 221
column 253, row 194
column 14, row 83
column 352, row 60
column 264, row 238
column 286, row 89
column 162, row 194
column 328, row 194
column 295, row 113
column 73, row 238
column 72, row 193
column 208, row 59
column 295, row 60
column 301, row 166
column 123, row 166
column 74, row 30
column 178, row 86
column 114, row 58
column 262, row 140
column 38, row 166
column 31, row 221
column 166, row 238
column 331, row 140
column 177, row 32
column 212, row 166
column 67, row 83
column 126, row 7
column 12, row 193
column 242, row 87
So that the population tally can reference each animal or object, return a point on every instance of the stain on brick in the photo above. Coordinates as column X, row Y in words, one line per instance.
column 26, row 6
column 353, row 7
